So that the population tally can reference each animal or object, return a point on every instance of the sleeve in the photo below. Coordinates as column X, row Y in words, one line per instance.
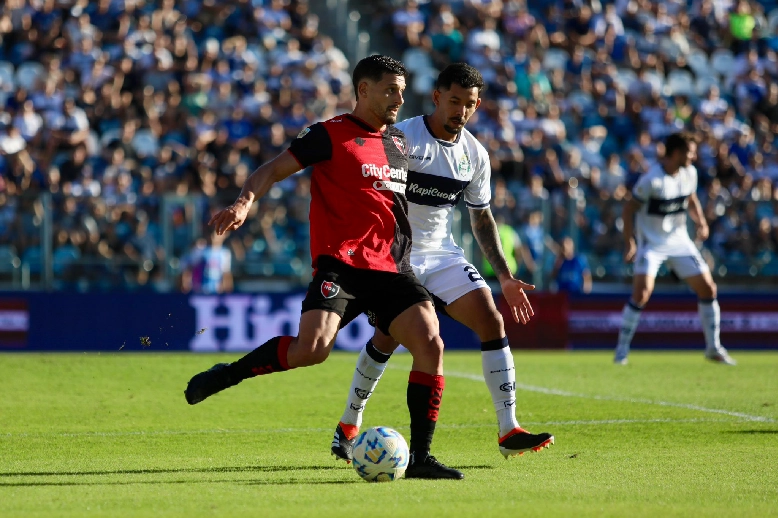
column 642, row 190
column 312, row 145
column 478, row 192
column 693, row 178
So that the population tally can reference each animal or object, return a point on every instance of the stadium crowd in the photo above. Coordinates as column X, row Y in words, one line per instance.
column 140, row 116
column 581, row 94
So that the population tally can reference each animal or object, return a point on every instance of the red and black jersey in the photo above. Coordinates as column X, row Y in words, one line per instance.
column 359, row 214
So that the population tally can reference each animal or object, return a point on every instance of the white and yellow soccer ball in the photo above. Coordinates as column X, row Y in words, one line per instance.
column 380, row 454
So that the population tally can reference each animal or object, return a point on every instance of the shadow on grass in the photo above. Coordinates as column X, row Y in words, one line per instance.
column 163, row 482
column 223, row 469
column 752, row 432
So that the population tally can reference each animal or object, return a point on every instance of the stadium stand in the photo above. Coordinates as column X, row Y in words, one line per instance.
column 123, row 123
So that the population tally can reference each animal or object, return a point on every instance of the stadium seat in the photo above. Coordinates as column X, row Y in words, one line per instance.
column 424, row 81
column 9, row 262
column 704, row 83
column 772, row 21
column 625, row 77
column 698, row 61
column 680, row 82
column 110, row 136
column 555, row 58
column 581, row 99
column 723, row 62
column 416, row 59
column 656, row 80
column 7, row 79
column 28, row 74
column 145, row 143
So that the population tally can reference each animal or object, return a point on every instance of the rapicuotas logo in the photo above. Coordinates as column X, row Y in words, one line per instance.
column 427, row 191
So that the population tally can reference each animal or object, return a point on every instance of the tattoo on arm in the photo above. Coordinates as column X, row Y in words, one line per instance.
column 488, row 237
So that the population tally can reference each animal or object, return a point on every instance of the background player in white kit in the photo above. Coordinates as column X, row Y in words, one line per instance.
column 660, row 199
column 446, row 163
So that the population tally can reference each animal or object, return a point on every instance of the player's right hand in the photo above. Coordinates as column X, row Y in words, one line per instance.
column 230, row 218
column 630, row 248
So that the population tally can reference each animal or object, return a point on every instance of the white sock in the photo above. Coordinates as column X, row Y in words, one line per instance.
column 370, row 366
column 500, row 376
column 630, row 317
column 710, row 318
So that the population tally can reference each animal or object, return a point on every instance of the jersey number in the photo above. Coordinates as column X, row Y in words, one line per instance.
column 472, row 273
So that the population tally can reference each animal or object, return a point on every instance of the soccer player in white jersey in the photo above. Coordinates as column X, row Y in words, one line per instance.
column 447, row 163
column 661, row 199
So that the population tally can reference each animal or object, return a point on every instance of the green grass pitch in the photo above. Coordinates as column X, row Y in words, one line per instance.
column 111, row 435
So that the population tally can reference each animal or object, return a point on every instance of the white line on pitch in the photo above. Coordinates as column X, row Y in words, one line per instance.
column 564, row 393
column 317, row 430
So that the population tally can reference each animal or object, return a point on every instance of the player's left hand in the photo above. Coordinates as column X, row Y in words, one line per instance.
column 703, row 231
column 514, row 292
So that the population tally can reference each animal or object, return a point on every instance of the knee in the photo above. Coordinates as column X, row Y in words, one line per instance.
column 709, row 291
column 491, row 327
column 432, row 348
column 313, row 352
column 641, row 297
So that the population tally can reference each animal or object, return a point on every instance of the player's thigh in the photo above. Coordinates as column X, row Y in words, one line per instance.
column 452, row 277
column 703, row 285
column 689, row 264
column 648, row 262
column 477, row 310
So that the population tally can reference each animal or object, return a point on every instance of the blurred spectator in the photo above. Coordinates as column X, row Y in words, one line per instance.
column 571, row 270
column 208, row 267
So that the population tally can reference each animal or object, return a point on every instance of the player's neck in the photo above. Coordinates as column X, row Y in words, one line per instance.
column 369, row 118
column 668, row 169
column 438, row 130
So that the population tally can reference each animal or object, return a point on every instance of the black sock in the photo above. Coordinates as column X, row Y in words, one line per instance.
column 425, row 392
column 267, row 358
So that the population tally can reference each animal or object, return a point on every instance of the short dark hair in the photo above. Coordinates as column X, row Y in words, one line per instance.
column 374, row 67
column 462, row 74
column 678, row 141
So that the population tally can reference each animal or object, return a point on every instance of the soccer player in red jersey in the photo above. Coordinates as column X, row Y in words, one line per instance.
column 360, row 246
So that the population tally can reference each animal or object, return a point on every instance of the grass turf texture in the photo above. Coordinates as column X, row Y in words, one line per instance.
column 111, row 435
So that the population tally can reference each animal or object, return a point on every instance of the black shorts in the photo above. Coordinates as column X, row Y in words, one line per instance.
column 350, row 291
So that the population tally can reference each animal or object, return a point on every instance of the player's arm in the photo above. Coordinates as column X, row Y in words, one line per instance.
column 255, row 186
column 695, row 212
column 488, row 238
column 312, row 145
column 628, row 217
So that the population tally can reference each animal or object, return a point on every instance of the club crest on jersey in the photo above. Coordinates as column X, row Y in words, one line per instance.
column 399, row 143
column 464, row 165
column 329, row 289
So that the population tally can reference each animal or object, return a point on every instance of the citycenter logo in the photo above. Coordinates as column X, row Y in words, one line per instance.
column 384, row 172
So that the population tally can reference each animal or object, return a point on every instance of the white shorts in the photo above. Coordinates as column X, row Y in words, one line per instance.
column 685, row 263
column 446, row 273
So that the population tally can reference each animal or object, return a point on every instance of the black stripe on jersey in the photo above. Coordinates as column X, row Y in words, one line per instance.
column 479, row 206
column 659, row 207
column 433, row 190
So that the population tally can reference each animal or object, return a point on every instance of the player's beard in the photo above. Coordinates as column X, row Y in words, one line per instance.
column 454, row 130
column 390, row 117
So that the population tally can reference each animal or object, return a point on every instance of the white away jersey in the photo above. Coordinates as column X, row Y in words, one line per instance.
column 439, row 174
column 661, row 221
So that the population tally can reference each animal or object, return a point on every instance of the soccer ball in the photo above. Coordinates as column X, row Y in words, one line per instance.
column 380, row 455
